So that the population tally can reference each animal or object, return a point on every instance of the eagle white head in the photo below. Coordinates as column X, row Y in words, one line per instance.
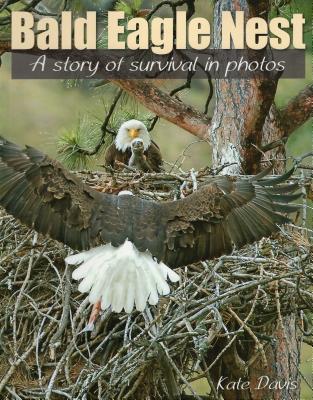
column 129, row 131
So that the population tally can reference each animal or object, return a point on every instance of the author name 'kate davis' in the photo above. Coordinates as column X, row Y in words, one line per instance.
column 263, row 382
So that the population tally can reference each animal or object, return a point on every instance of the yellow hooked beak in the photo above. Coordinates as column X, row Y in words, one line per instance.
column 133, row 133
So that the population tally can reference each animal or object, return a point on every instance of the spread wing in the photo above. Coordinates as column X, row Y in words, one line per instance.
column 42, row 194
column 45, row 196
column 226, row 212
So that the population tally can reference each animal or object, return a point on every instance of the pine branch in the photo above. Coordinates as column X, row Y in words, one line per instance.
column 298, row 110
column 167, row 107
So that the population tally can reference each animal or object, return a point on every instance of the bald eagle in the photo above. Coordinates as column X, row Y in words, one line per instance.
column 127, row 244
column 120, row 150
column 138, row 160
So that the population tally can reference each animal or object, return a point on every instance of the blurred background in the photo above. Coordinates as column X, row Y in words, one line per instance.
column 39, row 113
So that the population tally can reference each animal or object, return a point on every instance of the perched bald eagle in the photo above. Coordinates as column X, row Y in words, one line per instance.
column 120, row 149
column 129, row 244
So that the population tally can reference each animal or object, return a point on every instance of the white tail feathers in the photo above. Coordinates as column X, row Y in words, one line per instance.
column 121, row 277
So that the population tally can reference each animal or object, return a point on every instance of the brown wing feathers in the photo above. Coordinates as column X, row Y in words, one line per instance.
column 42, row 194
column 243, row 212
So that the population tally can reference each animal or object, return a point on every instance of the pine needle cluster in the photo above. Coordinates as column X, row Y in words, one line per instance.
column 75, row 145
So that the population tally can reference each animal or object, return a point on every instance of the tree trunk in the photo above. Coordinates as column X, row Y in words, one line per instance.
column 241, row 104
column 274, row 139
column 244, row 122
column 248, row 376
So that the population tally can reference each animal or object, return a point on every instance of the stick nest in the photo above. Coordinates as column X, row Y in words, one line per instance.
column 158, row 354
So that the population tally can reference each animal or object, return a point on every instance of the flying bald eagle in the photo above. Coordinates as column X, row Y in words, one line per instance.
column 120, row 149
column 129, row 244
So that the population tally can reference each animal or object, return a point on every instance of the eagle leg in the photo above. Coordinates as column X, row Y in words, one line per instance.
column 96, row 308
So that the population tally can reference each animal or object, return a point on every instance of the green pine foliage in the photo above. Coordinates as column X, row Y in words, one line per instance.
column 73, row 144
column 84, row 136
column 130, row 7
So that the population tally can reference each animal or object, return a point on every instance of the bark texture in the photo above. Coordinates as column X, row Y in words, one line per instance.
column 167, row 107
column 298, row 110
column 5, row 46
column 245, row 117
column 244, row 375
column 274, row 139
column 245, row 123
column 280, row 124
column 241, row 105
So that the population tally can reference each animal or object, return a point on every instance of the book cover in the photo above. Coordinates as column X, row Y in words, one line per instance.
column 156, row 165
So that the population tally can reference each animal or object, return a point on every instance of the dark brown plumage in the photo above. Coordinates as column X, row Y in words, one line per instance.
column 120, row 149
column 227, row 210
column 152, row 154
column 138, row 160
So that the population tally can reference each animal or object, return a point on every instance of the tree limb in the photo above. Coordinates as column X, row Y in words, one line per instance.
column 298, row 110
column 5, row 46
column 281, row 123
column 166, row 107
